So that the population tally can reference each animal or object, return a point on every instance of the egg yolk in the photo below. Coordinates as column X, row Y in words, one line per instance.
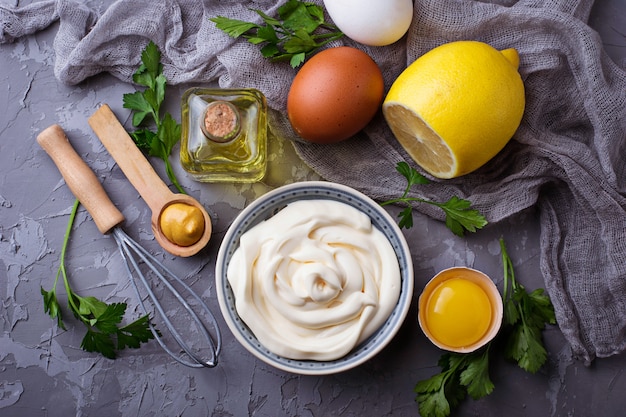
column 458, row 313
column 182, row 224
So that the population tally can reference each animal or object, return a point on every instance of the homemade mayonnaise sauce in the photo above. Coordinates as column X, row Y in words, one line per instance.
column 314, row 280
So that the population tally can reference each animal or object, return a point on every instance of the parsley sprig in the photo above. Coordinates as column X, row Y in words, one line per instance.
column 525, row 317
column 293, row 36
column 460, row 216
column 146, row 105
column 104, row 333
column 461, row 374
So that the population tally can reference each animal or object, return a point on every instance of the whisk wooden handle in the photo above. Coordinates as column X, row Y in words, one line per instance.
column 129, row 158
column 80, row 178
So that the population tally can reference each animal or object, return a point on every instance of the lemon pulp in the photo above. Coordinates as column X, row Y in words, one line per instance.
column 458, row 313
column 456, row 106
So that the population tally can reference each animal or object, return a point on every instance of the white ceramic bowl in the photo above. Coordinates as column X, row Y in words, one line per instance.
column 265, row 207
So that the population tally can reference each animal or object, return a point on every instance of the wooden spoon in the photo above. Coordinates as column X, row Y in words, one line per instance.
column 145, row 180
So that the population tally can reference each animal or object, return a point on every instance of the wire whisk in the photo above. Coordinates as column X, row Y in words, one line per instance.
column 132, row 252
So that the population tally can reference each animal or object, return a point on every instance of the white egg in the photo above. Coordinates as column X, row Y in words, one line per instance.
column 371, row 22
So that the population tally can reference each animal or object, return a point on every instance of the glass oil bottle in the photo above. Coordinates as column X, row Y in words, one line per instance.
column 224, row 134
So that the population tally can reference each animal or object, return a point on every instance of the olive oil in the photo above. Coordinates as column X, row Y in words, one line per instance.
column 224, row 134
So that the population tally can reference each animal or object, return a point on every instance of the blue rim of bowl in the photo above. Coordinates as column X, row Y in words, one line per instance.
column 265, row 207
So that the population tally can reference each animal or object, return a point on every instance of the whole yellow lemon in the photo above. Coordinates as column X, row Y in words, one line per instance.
column 456, row 106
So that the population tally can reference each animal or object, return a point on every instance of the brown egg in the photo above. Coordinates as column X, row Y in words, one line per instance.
column 334, row 95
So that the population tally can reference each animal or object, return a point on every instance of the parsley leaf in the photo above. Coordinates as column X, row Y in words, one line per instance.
column 476, row 376
column 525, row 316
column 88, row 307
column 51, row 305
column 150, row 67
column 146, row 108
column 461, row 374
column 299, row 31
column 135, row 333
column 110, row 317
column 460, row 216
column 101, row 319
column 102, row 343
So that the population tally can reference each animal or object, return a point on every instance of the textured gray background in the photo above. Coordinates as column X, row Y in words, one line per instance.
column 43, row 371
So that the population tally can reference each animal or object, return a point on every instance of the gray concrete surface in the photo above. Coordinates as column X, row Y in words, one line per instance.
column 43, row 371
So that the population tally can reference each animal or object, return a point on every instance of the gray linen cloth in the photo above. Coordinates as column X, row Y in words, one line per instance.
column 567, row 158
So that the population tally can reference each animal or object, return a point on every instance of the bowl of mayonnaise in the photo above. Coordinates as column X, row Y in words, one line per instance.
column 314, row 278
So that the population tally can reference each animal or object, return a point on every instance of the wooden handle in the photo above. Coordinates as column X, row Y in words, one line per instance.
column 80, row 178
column 129, row 158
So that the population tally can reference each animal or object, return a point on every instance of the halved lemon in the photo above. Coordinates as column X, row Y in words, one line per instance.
column 456, row 106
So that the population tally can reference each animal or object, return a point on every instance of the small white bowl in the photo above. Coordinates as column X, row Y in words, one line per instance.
column 268, row 205
column 473, row 276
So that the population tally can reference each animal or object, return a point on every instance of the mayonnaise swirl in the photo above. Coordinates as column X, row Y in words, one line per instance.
column 314, row 280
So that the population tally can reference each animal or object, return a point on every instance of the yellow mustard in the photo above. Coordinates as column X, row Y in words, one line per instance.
column 182, row 224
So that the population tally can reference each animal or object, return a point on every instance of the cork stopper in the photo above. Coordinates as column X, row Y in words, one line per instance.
column 220, row 121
